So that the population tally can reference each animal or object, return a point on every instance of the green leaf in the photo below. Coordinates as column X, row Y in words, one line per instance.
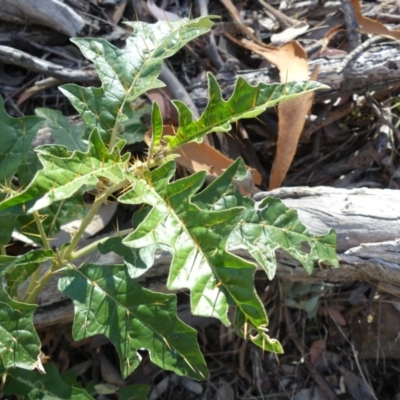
column 6, row 228
column 138, row 261
column 52, row 217
column 134, row 392
column 65, row 172
column 247, row 101
column 19, row 342
column 129, row 72
column 267, row 226
column 274, row 226
column 157, row 129
column 17, row 269
column 16, row 138
column 107, row 301
column 197, row 240
column 63, row 132
column 49, row 386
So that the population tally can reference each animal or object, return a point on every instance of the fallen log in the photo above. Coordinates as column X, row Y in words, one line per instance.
column 367, row 222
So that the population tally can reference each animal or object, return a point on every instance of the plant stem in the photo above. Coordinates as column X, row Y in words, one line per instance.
column 42, row 233
column 92, row 246
column 36, row 285
column 3, row 251
column 55, row 218
column 102, row 198
column 34, row 278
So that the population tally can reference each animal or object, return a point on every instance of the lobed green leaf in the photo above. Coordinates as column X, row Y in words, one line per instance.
column 107, row 301
column 65, row 172
column 197, row 240
column 267, row 226
column 16, row 138
column 19, row 342
column 128, row 73
column 63, row 132
column 34, row 385
column 247, row 101
column 15, row 270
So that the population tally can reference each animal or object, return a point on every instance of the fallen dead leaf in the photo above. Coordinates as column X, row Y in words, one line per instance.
column 37, row 88
column 291, row 60
column 292, row 117
column 288, row 34
column 329, row 35
column 334, row 312
column 163, row 98
column 317, row 349
column 371, row 26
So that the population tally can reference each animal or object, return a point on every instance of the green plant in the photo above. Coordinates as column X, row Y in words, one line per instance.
column 44, row 188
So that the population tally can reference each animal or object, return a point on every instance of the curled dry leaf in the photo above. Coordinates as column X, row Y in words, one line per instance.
column 37, row 88
column 289, row 34
column 329, row 35
column 371, row 26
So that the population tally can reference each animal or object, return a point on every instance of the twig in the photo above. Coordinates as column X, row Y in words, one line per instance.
column 177, row 89
column 211, row 48
column 284, row 20
column 353, row 36
column 357, row 51
column 9, row 55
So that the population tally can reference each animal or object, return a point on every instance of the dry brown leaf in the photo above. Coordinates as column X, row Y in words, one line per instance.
column 330, row 34
column 317, row 349
column 163, row 98
column 292, row 117
column 288, row 34
column 37, row 88
column 371, row 26
column 291, row 60
column 236, row 17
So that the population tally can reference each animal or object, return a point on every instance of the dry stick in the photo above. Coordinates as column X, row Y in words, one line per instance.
column 357, row 51
column 177, row 90
column 211, row 47
column 318, row 378
column 212, row 51
column 9, row 55
column 284, row 20
column 353, row 36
